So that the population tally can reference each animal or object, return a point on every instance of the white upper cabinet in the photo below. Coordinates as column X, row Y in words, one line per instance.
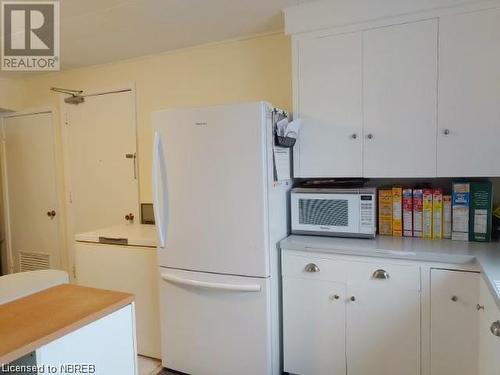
column 469, row 92
column 396, row 88
column 328, row 73
column 400, row 100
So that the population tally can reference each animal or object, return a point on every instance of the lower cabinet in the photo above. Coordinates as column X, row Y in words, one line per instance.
column 357, row 318
column 383, row 331
column 489, row 344
column 314, row 321
column 454, row 322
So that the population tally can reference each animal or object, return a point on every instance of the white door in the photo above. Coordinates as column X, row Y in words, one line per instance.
column 400, row 100
column 313, row 327
column 383, row 329
column 328, row 91
column 489, row 344
column 213, row 164
column 469, row 76
column 454, row 322
column 215, row 325
column 101, row 165
column 30, row 190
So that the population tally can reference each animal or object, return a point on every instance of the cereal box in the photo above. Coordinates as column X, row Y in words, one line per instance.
column 408, row 212
column 385, row 212
column 447, row 216
column 427, row 213
column 460, row 211
column 480, row 211
column 437, row 214
column 417, row 212
column 397, row 211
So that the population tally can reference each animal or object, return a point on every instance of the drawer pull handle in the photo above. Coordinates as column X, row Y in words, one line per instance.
column 381, row 274
column 495, row 328
column 479, row 307
column 311, row 267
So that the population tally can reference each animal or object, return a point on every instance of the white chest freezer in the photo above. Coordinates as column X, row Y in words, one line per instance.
column 123, row 258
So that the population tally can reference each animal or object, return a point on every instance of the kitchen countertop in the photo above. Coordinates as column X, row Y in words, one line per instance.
column 31, row 322
column 135, row 234
column 486, row 255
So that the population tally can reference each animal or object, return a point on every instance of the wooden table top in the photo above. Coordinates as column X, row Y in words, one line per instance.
column 30, row 322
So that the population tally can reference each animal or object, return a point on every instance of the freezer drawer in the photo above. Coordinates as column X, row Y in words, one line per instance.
column 215, row 324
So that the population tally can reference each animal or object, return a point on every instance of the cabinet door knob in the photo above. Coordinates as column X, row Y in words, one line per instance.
column 354, row 136
column 446, row 131
column 495, row 328
column 479, row 307
column 353, row 298
column 335, row 296
column 381, row 274
column 369, row 136
column 454, row 298
column 311, row 267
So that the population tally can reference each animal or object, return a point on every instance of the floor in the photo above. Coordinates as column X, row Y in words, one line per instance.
column 149, row 366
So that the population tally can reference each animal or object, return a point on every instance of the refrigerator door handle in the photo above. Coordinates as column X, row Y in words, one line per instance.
column 160, row 194
column 209, row 285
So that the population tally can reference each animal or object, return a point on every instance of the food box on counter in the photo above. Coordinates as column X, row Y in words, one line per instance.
column 437, row 214
column 417, row 212
column 397, row 211
column 447, row 216
column 460, row 211
column 408, row 212
column 427, row 213
column 385, row 212
column 481, row 206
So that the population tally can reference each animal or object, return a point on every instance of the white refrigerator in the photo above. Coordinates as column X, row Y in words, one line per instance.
column 219, row 218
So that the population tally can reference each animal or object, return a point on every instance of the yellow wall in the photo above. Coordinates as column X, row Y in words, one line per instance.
column 236, row 71
column 9, row 94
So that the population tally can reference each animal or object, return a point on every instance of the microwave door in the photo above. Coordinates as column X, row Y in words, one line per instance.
column 337, row 213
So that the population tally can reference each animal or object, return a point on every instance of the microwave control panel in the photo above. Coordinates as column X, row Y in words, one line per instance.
column 367, row 211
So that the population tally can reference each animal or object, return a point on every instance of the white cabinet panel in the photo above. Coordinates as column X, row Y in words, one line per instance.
column 469, row 88
column 400, row 100
column 313, row 327
column 454, row 322
column 328, row 99
column 489, row 345
column 383, row 330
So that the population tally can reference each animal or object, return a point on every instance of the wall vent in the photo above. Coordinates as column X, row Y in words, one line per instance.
column 33, row 261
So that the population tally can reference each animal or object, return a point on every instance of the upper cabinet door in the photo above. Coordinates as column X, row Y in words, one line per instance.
column 400, row 100
column 327, row 88
column 469, row 92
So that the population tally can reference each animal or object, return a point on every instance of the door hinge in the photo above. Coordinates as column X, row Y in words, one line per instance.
column 74, row 271
column 66, row 120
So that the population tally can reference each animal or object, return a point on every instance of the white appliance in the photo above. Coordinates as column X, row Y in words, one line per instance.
column 334, row 212
column 219, row 218
column 123, row 258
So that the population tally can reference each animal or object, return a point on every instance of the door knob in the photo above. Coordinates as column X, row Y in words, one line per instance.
column 353, row 298
column 495, row 328
column 311, row 267
column 335, row 297
column 369, row 136
column 354, row 136
column 446, row 131
column 129, row 217
column 454, row 298
column 51, row 214
column 479, row 307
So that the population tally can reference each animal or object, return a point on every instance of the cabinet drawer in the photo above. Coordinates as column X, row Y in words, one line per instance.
column 327, row 269
column 400, row 276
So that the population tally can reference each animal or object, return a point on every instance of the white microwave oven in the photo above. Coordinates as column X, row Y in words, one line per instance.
column 334, row 212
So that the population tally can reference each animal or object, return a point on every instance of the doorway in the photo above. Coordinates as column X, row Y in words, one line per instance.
column 30, row 191
column 101, row 169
